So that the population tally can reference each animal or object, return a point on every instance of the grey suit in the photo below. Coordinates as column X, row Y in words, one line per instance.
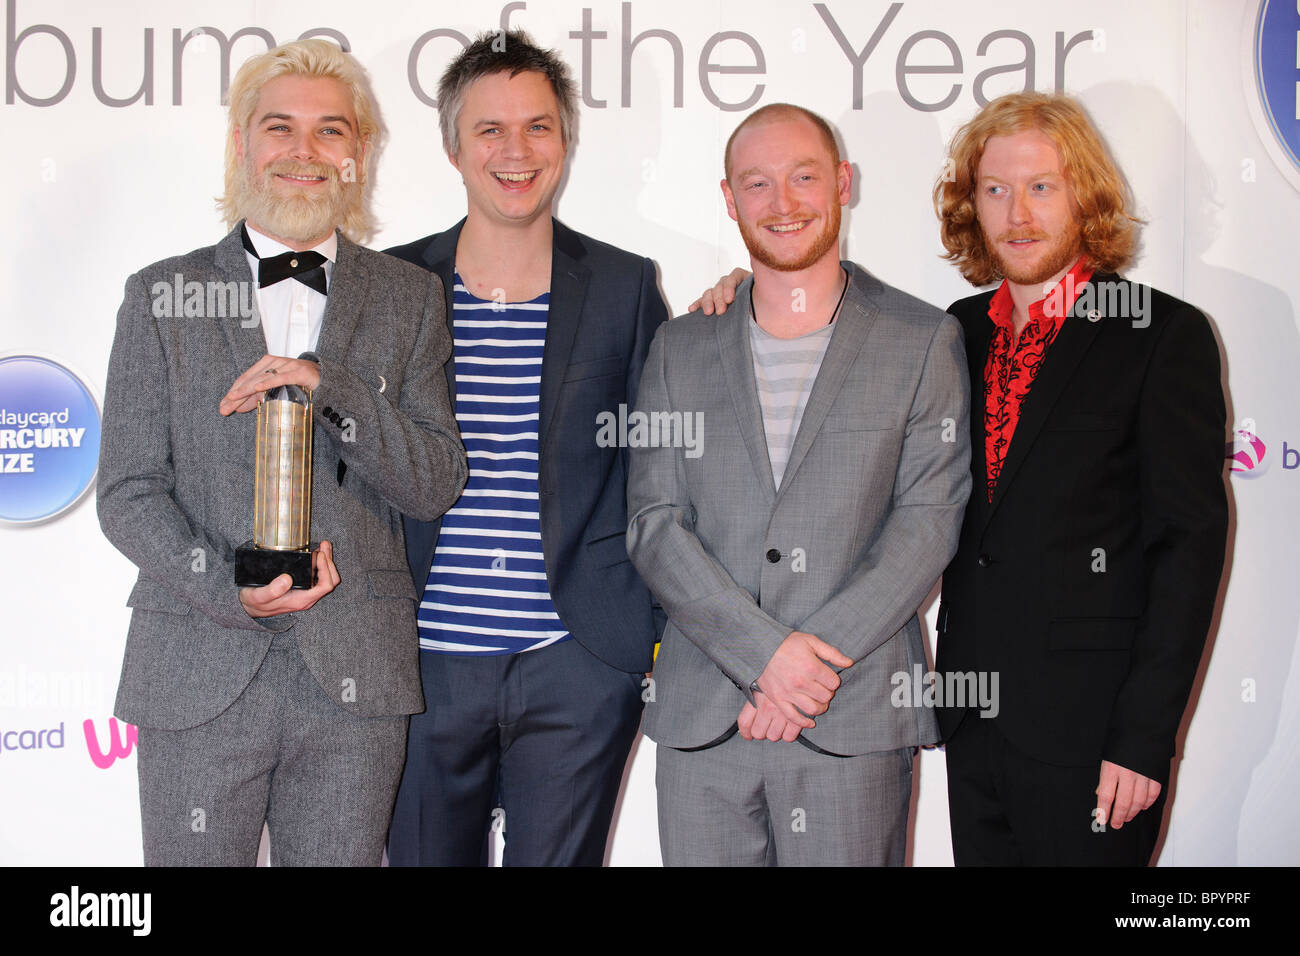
column 846, row 549
column 176, row 480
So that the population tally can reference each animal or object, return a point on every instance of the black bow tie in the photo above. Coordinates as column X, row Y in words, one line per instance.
column 307, row 267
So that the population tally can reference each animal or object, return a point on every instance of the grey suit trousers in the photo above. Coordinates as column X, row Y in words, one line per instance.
column 323, row 779
column 764, row 803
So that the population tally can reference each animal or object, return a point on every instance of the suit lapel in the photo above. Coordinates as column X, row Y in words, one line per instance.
column 1063, row 357
column 569, row 280
column 247, row 341
column 347, row 296
column 440, row 258
column 979, row 334
column 857, row 316
column 732, row 329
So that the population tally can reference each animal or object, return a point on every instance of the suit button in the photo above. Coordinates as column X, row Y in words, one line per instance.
column 984, row 561
column 773, row 555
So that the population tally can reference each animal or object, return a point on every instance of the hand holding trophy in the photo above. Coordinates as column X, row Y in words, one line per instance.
column 279, row 571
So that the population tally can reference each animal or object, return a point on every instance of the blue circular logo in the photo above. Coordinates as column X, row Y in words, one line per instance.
column 1277, row 73
column 49, row 438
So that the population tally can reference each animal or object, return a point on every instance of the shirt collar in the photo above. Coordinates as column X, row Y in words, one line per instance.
column 266, row 246
column 1052, row 307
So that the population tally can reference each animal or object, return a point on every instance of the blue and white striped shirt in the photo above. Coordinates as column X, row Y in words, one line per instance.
column 487, row 591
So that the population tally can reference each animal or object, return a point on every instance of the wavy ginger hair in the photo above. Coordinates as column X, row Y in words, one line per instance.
column 1096, row 186
column 310, row 58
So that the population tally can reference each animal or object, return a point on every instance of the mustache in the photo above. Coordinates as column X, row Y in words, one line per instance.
column 785, row 220
column 288, row 167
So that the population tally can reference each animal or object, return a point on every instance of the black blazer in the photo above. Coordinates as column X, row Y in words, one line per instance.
column 1089, row 581
column 604, row 309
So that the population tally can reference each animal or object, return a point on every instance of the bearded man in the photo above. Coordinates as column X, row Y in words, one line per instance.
column 271, row 704
column 793, row 545
column 1092, row 549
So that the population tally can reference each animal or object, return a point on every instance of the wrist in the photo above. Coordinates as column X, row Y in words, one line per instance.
column 313, row 360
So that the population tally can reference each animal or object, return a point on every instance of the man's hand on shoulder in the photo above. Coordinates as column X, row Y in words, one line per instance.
column 266, row 373
column 1123, row 794
column 278, row 598
column 715, row 301
column 799, row 681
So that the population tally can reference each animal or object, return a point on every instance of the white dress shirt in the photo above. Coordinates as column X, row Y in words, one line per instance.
column 292, row 312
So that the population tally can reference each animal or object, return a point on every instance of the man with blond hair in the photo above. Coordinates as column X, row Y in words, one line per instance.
column 274, row 704
column 1092, row 548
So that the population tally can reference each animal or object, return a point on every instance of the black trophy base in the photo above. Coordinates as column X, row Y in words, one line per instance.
column 256, row 567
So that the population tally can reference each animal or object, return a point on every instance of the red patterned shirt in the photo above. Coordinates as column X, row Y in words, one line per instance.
column 1013, row 362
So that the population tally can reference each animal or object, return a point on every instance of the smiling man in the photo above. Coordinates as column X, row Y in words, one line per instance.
column 535, row 630
column 792, row 554
column 268, row 704
column 1094, row 542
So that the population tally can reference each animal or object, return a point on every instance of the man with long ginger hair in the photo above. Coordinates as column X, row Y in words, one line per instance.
column 1093, row 544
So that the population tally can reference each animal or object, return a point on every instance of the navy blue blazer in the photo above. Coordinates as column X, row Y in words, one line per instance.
column 605, row 308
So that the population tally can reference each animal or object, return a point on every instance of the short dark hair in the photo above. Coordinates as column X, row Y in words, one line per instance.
column 780, row 111
column 511, row 52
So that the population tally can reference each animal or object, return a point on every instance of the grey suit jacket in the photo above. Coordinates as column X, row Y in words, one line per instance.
column 175, row 487
column 865, row 520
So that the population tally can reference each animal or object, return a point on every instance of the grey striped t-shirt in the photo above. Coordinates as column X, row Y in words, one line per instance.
column 784, row 371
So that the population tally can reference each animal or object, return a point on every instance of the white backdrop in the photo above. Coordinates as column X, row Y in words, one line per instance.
column 96, row 187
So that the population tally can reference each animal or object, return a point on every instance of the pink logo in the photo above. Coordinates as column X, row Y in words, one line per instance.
column 1246, row 454
column 118, row 745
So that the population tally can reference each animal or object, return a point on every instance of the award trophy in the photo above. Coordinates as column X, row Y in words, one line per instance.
column 281, row 493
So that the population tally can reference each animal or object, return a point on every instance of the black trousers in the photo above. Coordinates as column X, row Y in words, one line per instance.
column 1008, row 809
column 540, row 738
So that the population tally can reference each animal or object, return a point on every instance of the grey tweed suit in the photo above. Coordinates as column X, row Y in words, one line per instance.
column 846, row 549
column 175, row 488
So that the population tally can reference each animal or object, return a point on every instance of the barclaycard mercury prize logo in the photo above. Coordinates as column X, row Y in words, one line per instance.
column 1275, row 59
column 49, row 439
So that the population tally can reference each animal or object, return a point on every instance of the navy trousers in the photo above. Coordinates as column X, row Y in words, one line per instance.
column 537, row 740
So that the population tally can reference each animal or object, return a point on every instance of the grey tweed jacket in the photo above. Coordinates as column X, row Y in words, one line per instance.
column 175, row 488
column 864, row 522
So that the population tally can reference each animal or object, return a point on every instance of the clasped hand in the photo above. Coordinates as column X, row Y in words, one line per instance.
column 796, row 685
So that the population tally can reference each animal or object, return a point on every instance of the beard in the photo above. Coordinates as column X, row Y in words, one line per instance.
column 291, row 214
column 1061, row 252
column 825, row 241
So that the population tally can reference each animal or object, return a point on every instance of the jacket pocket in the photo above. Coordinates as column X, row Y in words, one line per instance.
column 1084, row 422
column 1091, row 634
column 149, row 595
column 594, row 369
column 609, row 550
column 841, row 422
